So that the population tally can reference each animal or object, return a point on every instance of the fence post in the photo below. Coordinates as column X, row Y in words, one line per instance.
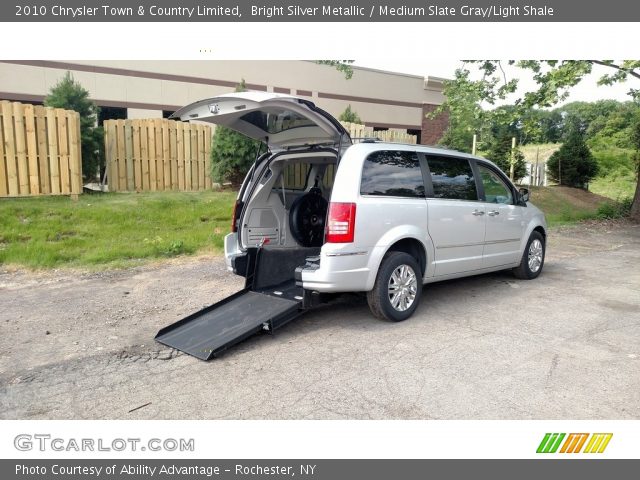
column 3, row 169
column 32, row 149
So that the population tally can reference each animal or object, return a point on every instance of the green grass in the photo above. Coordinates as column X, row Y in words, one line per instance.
column 617, row 178
column 111, row 230
column 562, row 209
column 121, row 230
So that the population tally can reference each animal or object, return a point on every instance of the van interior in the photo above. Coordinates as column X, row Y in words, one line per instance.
column 286, row 214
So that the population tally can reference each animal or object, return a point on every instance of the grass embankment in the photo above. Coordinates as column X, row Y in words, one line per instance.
column 616, row 178
column 112, row 230
column 563, row 205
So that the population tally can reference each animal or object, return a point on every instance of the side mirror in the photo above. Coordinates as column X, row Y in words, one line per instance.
column 524, row 194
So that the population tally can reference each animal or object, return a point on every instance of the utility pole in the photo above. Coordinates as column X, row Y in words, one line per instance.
column 475, row 144
column 537, row 177
column 513, row 150
column 559, row 171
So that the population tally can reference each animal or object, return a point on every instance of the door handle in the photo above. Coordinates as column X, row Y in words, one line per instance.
column 478, row 212
column 493, row 213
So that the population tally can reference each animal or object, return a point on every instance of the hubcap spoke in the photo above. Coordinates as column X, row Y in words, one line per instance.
column 402, row 288
column 395, row 301
column 535, row 255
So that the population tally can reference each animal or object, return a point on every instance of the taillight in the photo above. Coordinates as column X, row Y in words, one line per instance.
column 342, row 222
column 234, row 216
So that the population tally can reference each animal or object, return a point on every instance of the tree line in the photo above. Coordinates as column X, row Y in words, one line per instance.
column 478, row 87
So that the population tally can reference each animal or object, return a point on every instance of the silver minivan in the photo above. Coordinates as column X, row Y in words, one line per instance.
column 330, row 215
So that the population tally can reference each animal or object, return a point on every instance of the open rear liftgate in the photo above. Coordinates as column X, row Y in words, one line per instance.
column 269, row 300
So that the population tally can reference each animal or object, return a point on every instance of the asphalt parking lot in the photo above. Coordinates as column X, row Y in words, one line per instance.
column 567, row 345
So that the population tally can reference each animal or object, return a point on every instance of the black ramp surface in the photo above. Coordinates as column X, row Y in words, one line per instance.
column 212, row 330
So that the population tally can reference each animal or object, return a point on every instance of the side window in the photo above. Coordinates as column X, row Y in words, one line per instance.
column 495, row 190
column 392, row 173
column 452, row 178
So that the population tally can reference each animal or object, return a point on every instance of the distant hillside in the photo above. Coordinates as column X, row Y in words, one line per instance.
column 543, row 151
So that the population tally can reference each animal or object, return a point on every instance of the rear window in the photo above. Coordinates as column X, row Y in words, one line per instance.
column 295, row 176
column 329, row 175
column 392, row 173
column 452, row 178
column 276, row 121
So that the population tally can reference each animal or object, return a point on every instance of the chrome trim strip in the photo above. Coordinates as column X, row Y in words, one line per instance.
column 493, row 242
column 508, row 240
column 459, row 245
column 344, row 254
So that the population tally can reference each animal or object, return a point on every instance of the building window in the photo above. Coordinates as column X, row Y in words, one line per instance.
column 111, row 113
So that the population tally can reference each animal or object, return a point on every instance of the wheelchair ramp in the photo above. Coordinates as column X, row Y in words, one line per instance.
column 207, row 333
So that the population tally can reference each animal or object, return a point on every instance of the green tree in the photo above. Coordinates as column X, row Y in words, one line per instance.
column 502, row 155
column 349, row 115
column 71, row 95
column 343, row 66
column 635, row 139
column 554, row 80
column 232, row 153
column 573, row 163
column 466, row 116
column 615, row 128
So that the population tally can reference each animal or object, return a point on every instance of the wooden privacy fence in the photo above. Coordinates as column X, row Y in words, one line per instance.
column 157, row 154
column 393, row 135
column 160, row 154
column 40, row 151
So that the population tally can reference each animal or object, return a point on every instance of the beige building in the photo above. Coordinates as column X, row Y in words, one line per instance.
column 149, row 89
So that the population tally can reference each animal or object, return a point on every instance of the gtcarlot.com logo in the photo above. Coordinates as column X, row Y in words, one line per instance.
column 574, row 443
column 45, row 442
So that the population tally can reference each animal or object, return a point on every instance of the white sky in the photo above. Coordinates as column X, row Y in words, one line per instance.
column 587, row 90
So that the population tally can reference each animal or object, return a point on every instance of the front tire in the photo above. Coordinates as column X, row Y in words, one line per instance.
column 396, row 293
column 532, row 259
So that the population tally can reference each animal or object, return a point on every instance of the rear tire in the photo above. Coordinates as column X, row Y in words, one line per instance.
column 396, row 293
column 532, row 258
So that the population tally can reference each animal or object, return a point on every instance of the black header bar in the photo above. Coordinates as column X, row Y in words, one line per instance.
column 320, row 11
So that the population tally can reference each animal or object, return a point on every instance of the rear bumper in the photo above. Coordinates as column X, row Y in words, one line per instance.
column 231, row 251
column 341, row 267
column 340, row 271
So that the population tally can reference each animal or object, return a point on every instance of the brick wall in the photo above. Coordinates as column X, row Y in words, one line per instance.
column 432, row 128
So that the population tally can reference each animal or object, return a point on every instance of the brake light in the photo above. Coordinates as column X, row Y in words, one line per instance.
column 234, row 216
column 342, row 222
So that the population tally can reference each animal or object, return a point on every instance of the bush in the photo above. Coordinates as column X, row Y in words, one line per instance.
column 349, row 116
column 232, row 153
column 619, row 209
column 573, row 164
